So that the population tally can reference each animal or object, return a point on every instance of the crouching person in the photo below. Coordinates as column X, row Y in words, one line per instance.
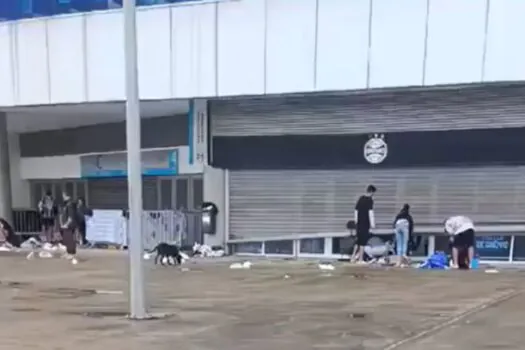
column 463, row 238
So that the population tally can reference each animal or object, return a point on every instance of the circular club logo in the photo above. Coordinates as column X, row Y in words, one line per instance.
column 376, row 149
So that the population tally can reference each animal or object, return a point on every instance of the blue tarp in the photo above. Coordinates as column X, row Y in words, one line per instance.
column 437, row 261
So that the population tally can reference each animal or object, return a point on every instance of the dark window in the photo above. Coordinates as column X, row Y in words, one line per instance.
column 247, row 247
column 182, row 193
column 312, row 245
column 166, row 194
column 279, row 247
column 198, row 194
column 343, row 245
column 519, row 248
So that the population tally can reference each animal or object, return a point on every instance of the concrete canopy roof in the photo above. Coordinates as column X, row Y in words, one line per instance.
column 50, row 117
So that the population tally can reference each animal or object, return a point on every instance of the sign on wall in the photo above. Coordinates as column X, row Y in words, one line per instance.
column 154, row 163
column 198, row 116
column 493, row 247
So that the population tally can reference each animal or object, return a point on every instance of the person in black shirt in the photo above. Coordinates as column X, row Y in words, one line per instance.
column 68, row 224
column 364, row 218
column 82, row 212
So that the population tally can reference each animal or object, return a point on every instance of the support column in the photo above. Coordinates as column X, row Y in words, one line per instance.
column 5, row 172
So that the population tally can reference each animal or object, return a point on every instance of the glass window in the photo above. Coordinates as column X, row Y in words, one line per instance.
column 312, row 245
column 182, row 193
column 81, row 191
column 279, row 247
column 166, row 194
column 247, row 247
column 519, row 248
column 198, row 195
column 343, row 245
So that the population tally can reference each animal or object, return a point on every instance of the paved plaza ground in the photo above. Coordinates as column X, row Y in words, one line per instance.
column 50, row 304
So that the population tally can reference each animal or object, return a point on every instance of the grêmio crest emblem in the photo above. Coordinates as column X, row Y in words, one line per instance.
column 376, row 149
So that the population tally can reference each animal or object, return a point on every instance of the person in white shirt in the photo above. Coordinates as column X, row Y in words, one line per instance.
column 461, row 230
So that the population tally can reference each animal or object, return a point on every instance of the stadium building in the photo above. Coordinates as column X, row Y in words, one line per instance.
column 280, row 112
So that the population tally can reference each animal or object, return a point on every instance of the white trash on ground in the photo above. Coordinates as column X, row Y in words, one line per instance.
column 326, row 266
column 241, row 266
column 206, row 251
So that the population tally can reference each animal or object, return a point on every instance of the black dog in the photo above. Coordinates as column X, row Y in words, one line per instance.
column 165, row 250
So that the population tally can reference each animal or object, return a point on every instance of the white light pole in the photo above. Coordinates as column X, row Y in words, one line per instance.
column 136, row 270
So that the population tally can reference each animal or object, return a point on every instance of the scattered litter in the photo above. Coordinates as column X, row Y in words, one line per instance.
column 241, row 266
column 491, row 271
column 45, row 255
column 184, row 257
column 326, row 266
column 31, row 243
column 286, row 277
column 206, row 251
column 30, row 256
column 74, row 261
column 185, row 269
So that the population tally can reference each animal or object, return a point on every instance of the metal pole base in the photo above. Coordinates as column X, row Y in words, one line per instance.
column 150, row 317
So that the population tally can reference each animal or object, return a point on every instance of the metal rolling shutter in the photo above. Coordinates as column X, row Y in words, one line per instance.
column 113, row 193
column 274, row 203
column 431, row 109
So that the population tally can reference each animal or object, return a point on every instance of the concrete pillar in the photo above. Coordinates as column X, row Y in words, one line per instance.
column 5, row 172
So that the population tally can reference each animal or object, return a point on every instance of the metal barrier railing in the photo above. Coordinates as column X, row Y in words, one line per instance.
column 158, row 226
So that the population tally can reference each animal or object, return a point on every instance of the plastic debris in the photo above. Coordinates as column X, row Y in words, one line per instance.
column 491, row 270
column 45, row 255
column 241, row 266
column 326, row 266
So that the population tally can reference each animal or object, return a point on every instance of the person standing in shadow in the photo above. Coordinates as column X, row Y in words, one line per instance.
column 403, row 228
column 83, row 213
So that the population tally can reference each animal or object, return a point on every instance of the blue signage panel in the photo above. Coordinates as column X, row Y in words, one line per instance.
column 154, row 163
column 493, row 247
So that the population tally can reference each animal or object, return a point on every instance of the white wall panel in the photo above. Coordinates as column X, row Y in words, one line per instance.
column 194, row 50
column 154, row 41
column 66, row 59
column 59, row 167
column 105, row 56
column 33, row 65
column 398, row 43
column 505, row 55
column 7, row 96
column 342, row 44
column 290, row 45
column 456, row 35
column 241, row 52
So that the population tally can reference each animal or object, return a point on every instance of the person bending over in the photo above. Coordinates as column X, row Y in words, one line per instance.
column 461, row 228
column 365, row 220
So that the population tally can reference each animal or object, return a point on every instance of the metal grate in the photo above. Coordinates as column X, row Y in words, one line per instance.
column 430, row 109
column 274, row 203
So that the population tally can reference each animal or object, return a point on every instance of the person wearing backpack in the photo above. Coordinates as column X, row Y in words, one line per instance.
column 48, row 210
column 403, row 228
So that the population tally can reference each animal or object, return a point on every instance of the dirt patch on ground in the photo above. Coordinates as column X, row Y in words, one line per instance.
column 50, row 304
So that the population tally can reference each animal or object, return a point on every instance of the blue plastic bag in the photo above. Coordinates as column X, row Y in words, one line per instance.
column 437, row 261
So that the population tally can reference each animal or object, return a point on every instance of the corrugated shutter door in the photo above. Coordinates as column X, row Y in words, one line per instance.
column 108, row 193
column 113, row 193
column 432, row 109
column 274, row 203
